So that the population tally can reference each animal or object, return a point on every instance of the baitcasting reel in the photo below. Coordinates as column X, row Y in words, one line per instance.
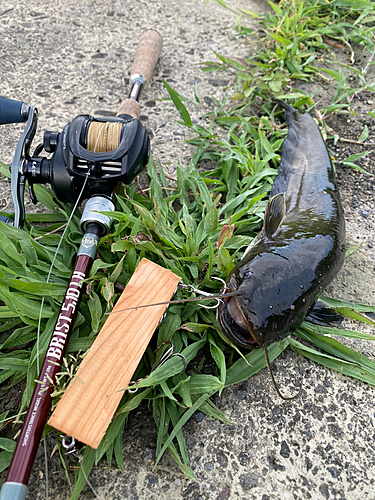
column 106, row 151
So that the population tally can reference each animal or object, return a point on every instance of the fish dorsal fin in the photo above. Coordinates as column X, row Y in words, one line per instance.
column 274, row 215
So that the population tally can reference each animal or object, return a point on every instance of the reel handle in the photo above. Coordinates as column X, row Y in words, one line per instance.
column 12, row 111
column 146, row 56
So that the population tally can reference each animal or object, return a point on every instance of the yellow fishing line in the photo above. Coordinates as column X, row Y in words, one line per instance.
column 103, row 136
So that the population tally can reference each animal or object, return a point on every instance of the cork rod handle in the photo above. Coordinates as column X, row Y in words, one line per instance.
column 146, row 56
column 130, row 107
column 148, row 51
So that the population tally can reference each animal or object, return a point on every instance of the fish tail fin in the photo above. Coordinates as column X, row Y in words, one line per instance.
column 285, row 398
column 296, row 119
column 287, row 107
column 292, row 115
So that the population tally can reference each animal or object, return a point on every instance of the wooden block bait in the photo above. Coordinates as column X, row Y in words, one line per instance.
column 88, row 405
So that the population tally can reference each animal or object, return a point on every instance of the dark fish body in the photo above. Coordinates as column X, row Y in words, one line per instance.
column 300, row 249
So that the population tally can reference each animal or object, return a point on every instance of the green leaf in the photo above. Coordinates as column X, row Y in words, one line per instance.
column 96, row 312
column 335, row 348
column 327, row 330
column 212, row 411
column 84, row 471
column 156, row 191
column 100, row 264
column 7, row 444
column 201, row 383
column 276, row 8
column 254, row 361
column 351, row 313
column 117, row 449
column 183, row 390
column 5, row 459
column 179, row 106
column 173, row 413
column 177, row 428
column 24, row 307
column 219, row 358
column 167, row 328
column 9, row 253
column 364, row 134
column 31, row 287
column 335, row 303
column 20, row 336
column 351, row 369
column 167, row 391
column 339, row 77
column 172, row 366
column 81, row 344
column 197, row 100
column 13, row 363
column 134, row 401
column 29, row 252
column 162, row 420
column 355, row 157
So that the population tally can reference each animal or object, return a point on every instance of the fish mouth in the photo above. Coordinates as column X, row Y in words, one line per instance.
column 234, row 324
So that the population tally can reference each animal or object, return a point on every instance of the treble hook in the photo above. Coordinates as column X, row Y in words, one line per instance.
column 191, row 288
column 167, row 355
column 70, row 447
column 223, row 282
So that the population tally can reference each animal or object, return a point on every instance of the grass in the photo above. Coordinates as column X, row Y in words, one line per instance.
column 198, row 230
column 298, row 42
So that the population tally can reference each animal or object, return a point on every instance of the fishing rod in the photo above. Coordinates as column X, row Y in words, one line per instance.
column 89, row 158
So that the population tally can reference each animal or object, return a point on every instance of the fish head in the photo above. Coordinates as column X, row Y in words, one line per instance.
column 274, row 294
column 235, row 326
column 239, row 322
column 242, row 318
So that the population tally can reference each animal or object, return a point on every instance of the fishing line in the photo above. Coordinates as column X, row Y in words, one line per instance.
column 103, row 136
column 285, row 398
column 53, row 263
column 45, row 465
column 41, row 310
column 87, row 480
column 179, row 301
column 70, row 449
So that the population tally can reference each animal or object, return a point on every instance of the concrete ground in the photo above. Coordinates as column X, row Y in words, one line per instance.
column 68, row 57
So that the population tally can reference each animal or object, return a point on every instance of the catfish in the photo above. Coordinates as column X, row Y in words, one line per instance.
column 300, row 249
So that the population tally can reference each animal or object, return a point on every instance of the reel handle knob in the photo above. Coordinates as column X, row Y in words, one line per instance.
column 12, row 111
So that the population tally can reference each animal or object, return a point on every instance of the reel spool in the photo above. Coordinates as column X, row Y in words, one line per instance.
column 103, row 137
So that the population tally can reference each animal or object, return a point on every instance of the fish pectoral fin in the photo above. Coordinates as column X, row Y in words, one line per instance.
column 323, row 315
column 274, row 215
